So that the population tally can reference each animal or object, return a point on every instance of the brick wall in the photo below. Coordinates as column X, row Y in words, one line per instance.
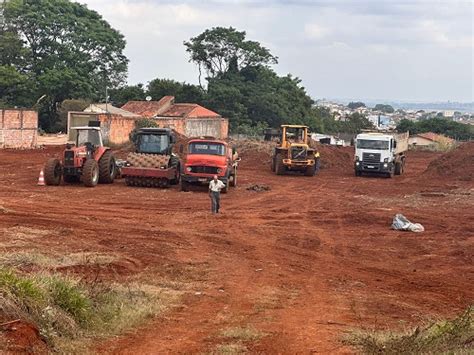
column 117, row 128
column 175, row 123
column 18, row 128
column 195, row 127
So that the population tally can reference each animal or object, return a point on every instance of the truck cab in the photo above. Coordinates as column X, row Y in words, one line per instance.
column 380, row 153
column 207, row 157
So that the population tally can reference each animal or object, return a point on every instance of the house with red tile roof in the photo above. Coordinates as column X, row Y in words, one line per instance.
column 166, row 107
column 189, row 119
column 429, row 139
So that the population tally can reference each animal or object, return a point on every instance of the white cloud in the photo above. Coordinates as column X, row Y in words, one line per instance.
column 315, row 31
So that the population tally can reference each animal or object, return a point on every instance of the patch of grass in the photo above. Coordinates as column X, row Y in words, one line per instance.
column 25, row 258
column 30, row 258
column 67, row 310
column 448, row 336
column 233, row 348
column 241, row 333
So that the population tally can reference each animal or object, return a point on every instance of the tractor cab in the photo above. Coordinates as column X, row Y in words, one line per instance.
column 88, row 137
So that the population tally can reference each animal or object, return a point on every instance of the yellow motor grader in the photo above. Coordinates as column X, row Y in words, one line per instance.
column 293, row 152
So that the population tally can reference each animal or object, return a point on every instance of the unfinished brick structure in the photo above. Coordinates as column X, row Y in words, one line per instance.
column 115, row 128
column 18, row 128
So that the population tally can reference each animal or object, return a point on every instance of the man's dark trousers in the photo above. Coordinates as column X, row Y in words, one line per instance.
column 215, row 201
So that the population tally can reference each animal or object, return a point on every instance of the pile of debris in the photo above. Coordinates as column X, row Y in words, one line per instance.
column 258, row 188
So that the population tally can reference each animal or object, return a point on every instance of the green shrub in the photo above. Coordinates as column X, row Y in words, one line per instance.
column 71, row 299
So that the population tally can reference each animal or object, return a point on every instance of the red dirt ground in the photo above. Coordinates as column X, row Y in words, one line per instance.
column 304, row 263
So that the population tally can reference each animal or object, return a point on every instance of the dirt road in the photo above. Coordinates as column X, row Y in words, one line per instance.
column 303, row 263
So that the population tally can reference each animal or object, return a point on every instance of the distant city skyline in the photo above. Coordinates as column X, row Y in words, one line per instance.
column 404, row 50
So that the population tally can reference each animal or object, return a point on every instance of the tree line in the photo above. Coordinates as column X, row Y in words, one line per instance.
column 455, row 130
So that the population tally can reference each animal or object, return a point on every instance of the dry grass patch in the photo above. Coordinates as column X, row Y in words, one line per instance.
column 21, row 236
column 230, row 349
column 31, row 258
column 272, row 298
column 242, row 333
column 454, row 336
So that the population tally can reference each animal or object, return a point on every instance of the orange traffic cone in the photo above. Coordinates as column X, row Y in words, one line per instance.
column 41, row 178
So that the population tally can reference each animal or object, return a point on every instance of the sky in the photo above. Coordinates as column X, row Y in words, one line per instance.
column 405, row 50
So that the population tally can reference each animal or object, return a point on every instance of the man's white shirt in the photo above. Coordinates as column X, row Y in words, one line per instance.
column 216, row 186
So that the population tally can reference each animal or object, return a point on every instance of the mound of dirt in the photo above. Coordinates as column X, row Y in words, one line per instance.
column 335, row 158
column 22, row 337
column 254, row 154
column 457, row 164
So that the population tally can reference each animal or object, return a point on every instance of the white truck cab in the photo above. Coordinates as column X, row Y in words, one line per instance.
column 382, row 153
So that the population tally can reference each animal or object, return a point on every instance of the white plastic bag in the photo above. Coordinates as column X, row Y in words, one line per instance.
column 400, row 222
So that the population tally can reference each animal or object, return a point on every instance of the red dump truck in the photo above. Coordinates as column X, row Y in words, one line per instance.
column 206, row 157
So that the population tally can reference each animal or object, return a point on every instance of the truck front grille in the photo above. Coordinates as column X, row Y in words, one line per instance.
column 298, row 153
column 371, row 157
column 198, row 169
column 69, row 158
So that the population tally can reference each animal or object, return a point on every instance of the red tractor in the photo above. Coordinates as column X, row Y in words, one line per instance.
column 87, row 159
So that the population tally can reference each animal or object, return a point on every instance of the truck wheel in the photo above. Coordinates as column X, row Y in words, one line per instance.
column 107, row 168
column 90, row 173
column 273, row 164
column 52, row 172
column 358, row 173
column 226, row 188
column 398, row 168
column 177, row 176
column 234, row 178
column 279, row 166
column 310, row 170
column 184, row 186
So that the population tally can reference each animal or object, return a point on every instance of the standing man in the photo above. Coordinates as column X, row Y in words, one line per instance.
column 215, row 187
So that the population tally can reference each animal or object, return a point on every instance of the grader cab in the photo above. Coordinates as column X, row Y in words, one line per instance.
column 293, row 152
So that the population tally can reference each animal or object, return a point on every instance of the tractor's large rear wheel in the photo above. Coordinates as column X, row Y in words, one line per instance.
column 90, row 173
column 279, row 166
column 107, row 168
column 52, row 172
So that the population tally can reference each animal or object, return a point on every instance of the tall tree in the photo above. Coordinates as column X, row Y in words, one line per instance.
column 121, row 95
column 183, row 92
column 72, row 52
column 256, row 95
column 216, row 50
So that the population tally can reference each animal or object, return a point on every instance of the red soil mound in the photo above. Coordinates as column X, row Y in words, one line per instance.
column 23, row 338
column 335, row 158
column 457, row 164
column 256, row 154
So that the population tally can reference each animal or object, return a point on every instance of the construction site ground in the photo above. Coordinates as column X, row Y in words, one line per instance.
column 303, row 263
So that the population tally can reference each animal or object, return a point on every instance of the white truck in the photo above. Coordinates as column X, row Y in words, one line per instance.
column 380, row 152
